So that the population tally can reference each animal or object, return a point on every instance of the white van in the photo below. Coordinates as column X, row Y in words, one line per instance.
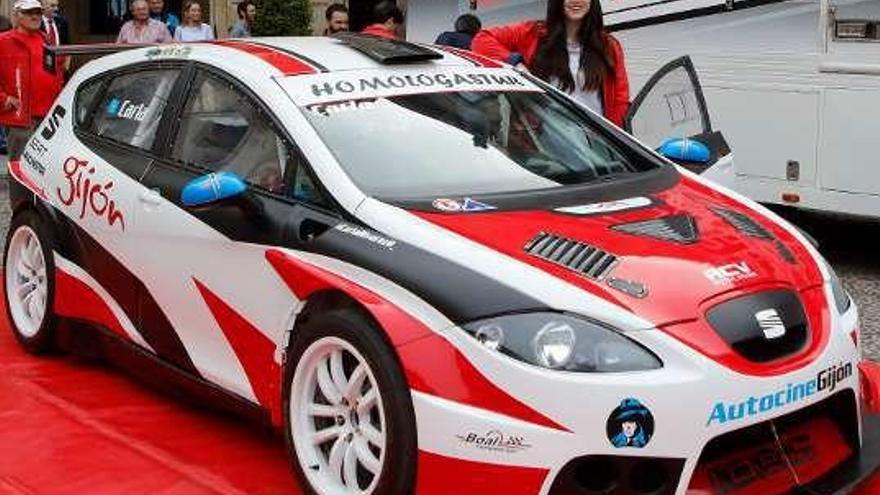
column 793, row 84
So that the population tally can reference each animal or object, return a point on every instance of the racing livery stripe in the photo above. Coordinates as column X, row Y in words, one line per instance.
column 475, row 58
column 320, row 67
column 134, row 299
column 441, row 475
column 458, row 292
column 254, row 350
column 461, row 294
column 79, row 297
column 435, row 367
column 432, row 365
column 288, row 64
column 305, row 279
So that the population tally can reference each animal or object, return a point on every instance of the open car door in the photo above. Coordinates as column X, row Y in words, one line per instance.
column 670, row 115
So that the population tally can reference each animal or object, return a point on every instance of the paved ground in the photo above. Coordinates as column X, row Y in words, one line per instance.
column 851, row 245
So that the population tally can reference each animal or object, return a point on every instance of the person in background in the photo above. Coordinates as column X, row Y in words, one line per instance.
column 56, row 29
column 570, row 50
column 5, row 25
column 157, row 12
column 54, row 25
column 466, row 27
column 141, row 29
column 337, row 19
column 193, row 29
column 247, row 12
column 387, row 21
column 25, row 76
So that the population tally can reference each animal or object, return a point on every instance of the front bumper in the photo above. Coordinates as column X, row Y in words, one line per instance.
column 457, row 438
column 853, row 472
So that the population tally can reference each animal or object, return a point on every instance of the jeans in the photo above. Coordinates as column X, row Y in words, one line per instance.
column 2, row 138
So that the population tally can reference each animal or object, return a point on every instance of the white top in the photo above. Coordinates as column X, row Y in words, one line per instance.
column 591, row 99
column 202, row 32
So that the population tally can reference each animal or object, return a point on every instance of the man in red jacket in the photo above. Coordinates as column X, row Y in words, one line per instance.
column 29, row 80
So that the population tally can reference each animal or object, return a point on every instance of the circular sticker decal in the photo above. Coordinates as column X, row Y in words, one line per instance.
column 630, row 425
column 446, row 204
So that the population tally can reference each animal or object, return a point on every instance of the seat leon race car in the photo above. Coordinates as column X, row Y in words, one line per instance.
column 435, row 274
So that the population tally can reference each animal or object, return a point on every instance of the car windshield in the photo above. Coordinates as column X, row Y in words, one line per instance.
column 466, row 143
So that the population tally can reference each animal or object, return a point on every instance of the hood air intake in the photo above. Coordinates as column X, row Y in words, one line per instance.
column 388, row 51
column 742, row 223
column 675, row 228
column 588, row 261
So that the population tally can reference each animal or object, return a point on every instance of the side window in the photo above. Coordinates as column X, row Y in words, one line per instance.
column 85, row 100
column 222, row 129
column 304, row 188
column 131, row 108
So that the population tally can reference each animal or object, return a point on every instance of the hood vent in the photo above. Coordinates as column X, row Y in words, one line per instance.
column 675, row 228
column 586, row 260
column 785, row 253
column 742, row 223
column 750, row 227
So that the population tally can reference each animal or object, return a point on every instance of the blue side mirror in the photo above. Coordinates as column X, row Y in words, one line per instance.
column 686, row 150
column 211, row 188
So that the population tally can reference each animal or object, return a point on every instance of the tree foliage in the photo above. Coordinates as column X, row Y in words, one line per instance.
column 283, row 18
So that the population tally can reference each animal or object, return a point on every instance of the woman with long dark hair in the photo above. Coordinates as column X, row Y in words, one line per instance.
column 570, row 50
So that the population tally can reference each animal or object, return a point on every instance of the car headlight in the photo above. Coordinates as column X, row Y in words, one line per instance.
column 561, row 342
column 841, row 297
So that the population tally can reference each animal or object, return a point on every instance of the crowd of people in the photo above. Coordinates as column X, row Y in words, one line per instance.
column 570, row 48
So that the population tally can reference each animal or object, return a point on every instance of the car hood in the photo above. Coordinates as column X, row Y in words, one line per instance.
column 666, row 257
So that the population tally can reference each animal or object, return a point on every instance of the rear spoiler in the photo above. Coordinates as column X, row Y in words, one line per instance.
column 51, row 53
column 93, row 49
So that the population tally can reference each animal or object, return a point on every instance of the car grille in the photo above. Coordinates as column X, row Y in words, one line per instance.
column 675, row 228
column 763, row 326
column 807, row 448
column 583, row 259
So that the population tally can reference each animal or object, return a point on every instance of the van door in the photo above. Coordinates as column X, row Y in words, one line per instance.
column 671, row 105
column 849, row 130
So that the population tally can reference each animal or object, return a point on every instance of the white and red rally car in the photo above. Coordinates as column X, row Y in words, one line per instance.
column 434, row 273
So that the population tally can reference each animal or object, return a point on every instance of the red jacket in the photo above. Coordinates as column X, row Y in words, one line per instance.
column 23, row 76
column 517, row 43
column 380, row 30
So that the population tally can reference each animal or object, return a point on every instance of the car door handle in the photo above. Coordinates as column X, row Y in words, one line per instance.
column 150, row 197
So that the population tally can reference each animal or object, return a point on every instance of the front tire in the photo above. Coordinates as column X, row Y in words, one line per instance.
column 29, row 272
column 350, row 425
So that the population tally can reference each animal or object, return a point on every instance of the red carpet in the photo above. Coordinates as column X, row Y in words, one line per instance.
column 71, row 427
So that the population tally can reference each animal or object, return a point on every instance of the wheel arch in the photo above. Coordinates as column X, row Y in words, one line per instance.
column 64, row 236
column 335, row 299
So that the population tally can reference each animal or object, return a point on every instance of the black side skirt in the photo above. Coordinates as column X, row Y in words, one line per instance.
column 91, row 341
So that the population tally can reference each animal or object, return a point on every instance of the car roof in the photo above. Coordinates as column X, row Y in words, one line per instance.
column 262, row 59
column 335, row 55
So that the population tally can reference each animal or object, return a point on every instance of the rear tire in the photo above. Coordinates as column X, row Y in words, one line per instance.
column 29, row 273
column 344, row 438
